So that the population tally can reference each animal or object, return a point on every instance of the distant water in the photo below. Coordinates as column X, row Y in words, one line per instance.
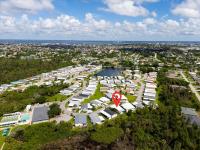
column 76, row 42
column 109, row 72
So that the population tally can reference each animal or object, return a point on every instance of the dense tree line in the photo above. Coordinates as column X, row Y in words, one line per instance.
column 175, row 92
column 16, row 101
column 13, row 69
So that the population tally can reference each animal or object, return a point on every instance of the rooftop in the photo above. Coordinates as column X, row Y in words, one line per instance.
column 80, row 119
column 40, row 113
column 188, row 111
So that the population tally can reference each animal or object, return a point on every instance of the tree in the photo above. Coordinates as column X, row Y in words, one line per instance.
column 40, row 100
column 54, row 110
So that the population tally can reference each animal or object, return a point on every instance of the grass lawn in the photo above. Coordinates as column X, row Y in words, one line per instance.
column 57, row 97
column 96, row 95
column 131, row 98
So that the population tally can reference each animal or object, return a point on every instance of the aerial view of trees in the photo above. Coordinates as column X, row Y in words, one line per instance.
column 13, row 69
column 14, row 101
column 54, row 110
column 175, row 92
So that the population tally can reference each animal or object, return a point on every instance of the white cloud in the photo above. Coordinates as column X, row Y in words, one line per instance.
column 188, row 8
column 149, row 21
column 154, row 14
column 96, row 25
column 27, row 6
column 91, row 28
column 127, row 7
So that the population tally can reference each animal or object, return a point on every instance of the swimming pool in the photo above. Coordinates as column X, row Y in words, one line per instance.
column 25, row 117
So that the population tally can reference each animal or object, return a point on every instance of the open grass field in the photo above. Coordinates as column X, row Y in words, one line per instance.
column 131, row 98
column 57, row 97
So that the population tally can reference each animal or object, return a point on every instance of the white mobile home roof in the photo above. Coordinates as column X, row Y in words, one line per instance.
column 148, row 90
column 128, row 106
column 150, row 94
column 149, row 85
column 96, row 102
column 118, row 108
column 104, row 99
column 73, row 103
column 77, row 99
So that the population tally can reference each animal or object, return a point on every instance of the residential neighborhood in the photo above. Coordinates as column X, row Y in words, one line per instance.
column 71, row 94
column 79, row 105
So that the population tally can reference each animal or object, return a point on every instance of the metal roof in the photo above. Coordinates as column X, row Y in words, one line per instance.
column 94, row 118
column 110, row 112
column 193, row 119
column 80, row 119
column 188, row 111
column 40, row 114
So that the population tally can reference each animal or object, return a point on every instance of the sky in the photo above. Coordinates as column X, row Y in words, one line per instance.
column 116, row 20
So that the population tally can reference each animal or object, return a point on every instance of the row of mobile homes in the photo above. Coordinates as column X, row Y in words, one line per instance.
column 49, row 78
column 150, row 88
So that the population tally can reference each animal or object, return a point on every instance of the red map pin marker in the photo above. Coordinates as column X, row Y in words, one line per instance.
column 116, row 97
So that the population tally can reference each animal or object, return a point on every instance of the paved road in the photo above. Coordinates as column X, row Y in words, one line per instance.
column 141, row 90
column 191, row 86
column 140, row 93
column 66, row 113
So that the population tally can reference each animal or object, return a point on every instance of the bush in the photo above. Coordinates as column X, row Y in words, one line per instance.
column 36, row 135
column 106, row 135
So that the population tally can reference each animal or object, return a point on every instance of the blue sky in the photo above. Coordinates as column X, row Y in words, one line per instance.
column 100, row 19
